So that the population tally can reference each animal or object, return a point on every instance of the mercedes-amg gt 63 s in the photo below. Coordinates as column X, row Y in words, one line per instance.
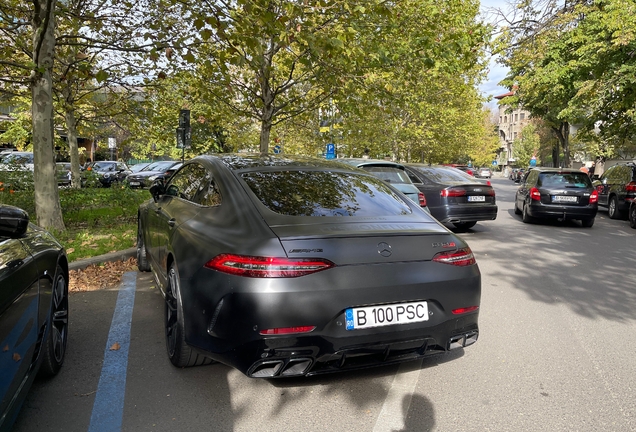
column 289, row 266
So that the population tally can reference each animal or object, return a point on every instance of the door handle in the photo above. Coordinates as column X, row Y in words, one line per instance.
column 172, row 222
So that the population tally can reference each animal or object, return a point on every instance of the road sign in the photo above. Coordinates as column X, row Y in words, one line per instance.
column 494, row 163
column 277, row 149
column 533, row 161
column 331, row 151
column 112, row 143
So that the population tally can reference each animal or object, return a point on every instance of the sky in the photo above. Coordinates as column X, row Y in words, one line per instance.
column 496, row 72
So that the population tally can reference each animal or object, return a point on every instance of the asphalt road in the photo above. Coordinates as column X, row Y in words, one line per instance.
column 556, row 353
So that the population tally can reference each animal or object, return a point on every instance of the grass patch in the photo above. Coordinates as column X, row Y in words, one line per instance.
column 97, row 221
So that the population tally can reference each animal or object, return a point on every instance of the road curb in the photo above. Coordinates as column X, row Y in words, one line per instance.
column 122, row 255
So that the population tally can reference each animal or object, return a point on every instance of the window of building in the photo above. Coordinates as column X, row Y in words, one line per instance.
column 522, row 116
column 505, row 119
column 516, row 117
column 515, row 135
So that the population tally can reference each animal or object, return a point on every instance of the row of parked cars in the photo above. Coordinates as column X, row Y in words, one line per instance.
column 562, row 193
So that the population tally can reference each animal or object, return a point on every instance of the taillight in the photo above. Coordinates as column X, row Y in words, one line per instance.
column 266, row 267
column 452, row 192
column 464, row 310
column 488, row 183
column 288, row 330
column 631, row 187
column 422, row 199
column 459, row 257
column 535, row 194
column 593, row 197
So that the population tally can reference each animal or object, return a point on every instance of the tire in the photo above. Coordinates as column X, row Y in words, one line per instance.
column 142, row 253
column 517, row 211
column 612, row 209
column 464, row 225
column 632, row 215
column 587, row 223
column 179, row 353
column 525, row 217
column 54, row 348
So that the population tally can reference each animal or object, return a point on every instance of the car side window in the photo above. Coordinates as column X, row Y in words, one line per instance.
column 413, row 177
column 194, row 183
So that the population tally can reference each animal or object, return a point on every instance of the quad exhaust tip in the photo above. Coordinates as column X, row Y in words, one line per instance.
column 463, row 340
column 275, row 368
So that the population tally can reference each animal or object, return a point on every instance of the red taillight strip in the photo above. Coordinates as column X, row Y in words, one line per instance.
column 287, row 330
column 452, row 192
column 465, row 310
column 266, row 267
column 459, row 257
column 630, row 187
column 422, row 199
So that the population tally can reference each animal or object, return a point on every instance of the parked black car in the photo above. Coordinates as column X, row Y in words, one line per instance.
column 617, row 189
column 33, row 308
column 154, row 171
column 108, row 172
column 291, row 266
column 557, row 193
column 452, row 196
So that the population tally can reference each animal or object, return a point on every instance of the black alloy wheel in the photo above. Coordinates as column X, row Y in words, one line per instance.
column 525, row 217
column 632, row 215
column 142, row 253
column 179, row 353
column 54, row 348
column 612, row 209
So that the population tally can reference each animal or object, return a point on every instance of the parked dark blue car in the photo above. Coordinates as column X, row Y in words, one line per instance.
column 33, row 308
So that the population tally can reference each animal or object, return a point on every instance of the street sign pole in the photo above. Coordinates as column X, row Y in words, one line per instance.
column 184, row 134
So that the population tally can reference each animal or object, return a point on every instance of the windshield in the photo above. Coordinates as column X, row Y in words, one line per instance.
column 388, row 174
column 564, row 180
column 324, row 193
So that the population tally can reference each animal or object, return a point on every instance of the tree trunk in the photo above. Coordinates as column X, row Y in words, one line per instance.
column 71, row 131
column 563, row 135
column 47, row 199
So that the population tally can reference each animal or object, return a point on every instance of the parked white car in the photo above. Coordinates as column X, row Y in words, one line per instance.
column 484, row 173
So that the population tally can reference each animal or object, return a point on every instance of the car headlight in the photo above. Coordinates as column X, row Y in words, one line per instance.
column 106, row 175
column 153, row 177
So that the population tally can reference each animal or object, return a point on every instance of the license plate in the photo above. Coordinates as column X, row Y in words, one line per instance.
column 562, row 198
column 384, row 315
column 476, row 198
column 135, row 183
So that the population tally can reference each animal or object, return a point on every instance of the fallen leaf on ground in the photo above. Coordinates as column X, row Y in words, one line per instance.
column 115, row 347
column 103, row 276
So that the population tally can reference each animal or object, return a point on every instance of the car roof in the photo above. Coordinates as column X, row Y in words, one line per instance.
column 556, row 170
column 249, row 161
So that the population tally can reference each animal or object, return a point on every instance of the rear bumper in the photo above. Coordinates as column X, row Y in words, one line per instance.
column 465, row 213
column 540, row 210
column 224, row 316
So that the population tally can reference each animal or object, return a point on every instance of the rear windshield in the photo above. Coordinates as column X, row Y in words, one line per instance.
column 324, row 193
column 567, row 180
column 18, row 158
column 388, row 174
column 444, row 175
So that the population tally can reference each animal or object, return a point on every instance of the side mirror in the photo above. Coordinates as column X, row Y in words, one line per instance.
column 13, row 221
column 157, row 189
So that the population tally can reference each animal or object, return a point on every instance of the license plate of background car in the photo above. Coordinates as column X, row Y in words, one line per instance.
column 477, row 198
column 384, row 315
column 134, row 183
column 562, row 198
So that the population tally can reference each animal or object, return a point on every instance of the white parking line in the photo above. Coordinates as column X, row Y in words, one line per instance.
column 396, row 405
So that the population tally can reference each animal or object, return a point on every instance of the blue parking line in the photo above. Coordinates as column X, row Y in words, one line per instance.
column 108, row 408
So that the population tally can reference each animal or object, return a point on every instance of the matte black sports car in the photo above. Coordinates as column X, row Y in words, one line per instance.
column 454, row 197
column 282, row 266
column 33, row 308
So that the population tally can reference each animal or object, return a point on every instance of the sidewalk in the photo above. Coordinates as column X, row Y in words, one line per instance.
column 109, row 257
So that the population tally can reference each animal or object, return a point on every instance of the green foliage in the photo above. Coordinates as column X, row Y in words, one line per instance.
column 527, row 146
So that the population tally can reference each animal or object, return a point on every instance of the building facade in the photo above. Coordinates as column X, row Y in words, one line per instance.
column 511, row 122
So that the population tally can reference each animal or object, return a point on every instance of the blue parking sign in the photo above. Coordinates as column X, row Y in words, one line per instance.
column 331, row 151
